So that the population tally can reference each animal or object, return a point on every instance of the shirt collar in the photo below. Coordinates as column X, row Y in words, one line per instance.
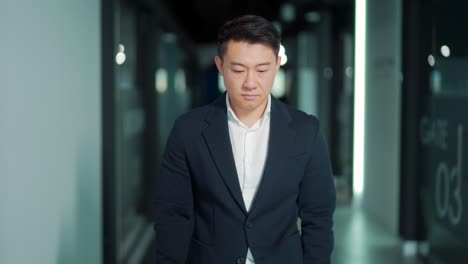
column 232, row 116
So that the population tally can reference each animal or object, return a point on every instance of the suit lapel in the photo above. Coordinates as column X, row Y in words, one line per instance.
column 217, row 138
column 281, row 141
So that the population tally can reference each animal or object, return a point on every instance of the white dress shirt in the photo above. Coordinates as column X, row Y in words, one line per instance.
column 250, row 147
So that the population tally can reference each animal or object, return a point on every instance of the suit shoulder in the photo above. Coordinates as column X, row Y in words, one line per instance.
column 306, row 125
column 300, row 118
column 193, row 115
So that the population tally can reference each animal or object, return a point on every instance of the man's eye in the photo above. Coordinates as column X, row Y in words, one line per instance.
column 238, row 71
column 262, row 70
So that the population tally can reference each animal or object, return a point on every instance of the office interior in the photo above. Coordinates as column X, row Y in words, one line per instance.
column 93, row 87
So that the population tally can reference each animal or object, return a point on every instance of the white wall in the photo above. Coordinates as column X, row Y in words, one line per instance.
column 3, row 140
column 382, row 142
column 50, row 132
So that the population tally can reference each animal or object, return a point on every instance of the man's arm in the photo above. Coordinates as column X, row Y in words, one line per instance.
column 316, row 203
column 174, row 203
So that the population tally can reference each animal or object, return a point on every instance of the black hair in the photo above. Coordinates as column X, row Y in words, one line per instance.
column 251, row 29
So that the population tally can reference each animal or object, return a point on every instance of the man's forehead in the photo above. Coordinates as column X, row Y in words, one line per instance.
column 236, row 49
column 236, row 43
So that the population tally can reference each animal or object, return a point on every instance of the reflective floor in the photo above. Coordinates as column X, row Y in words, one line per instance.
column 359, row 240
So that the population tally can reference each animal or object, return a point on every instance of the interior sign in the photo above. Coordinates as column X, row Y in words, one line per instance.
column 448, row 172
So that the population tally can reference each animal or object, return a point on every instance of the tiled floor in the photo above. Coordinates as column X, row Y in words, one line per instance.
column 358, row 240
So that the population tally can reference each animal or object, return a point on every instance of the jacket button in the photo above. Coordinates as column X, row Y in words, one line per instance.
column 249, row 225
column 240, row 261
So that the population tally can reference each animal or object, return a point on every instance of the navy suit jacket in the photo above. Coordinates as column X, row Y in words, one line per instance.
column 200, row 213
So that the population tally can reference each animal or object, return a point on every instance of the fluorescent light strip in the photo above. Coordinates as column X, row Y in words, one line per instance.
column 359, row 96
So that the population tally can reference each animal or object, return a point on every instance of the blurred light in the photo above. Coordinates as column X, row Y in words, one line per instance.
column 161, row 80
column 221, row 86
column 424, row 248
column 445, row 50
column 349, row 72
column 282, row 54
column 328, row 73
column 436, row 82
column 284, row 59
column 288, row 12
column 120, row 57
column 359, row 97
column 279, row 85
column 180, row 81
column 278, row 26
column 431, row 60
column 312, row 17
column 169, row 37
column 410, row 248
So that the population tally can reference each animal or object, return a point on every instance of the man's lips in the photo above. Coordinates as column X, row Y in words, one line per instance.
column 249, row 97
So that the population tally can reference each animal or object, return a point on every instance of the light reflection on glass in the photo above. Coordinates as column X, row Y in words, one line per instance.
column 282, row 54
column 436, row 82
column 161, row 80
column 279, row 85
column 328, row 73
column 312, row 16
column 180, row 81
column 120, row 57
column 445, row 50
column 221, row 86
column 288, row 12
column 431, row 60
column 349, row 72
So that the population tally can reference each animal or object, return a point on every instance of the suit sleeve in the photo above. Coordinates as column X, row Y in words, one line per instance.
column 174, row 203
column 317, row 201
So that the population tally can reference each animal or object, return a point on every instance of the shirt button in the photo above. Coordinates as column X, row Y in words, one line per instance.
column 240, row 260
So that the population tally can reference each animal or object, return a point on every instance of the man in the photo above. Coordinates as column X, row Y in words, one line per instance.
column 237, row 173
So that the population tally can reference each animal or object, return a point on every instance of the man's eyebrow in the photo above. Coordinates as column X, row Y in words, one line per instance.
column 264, row 64
column 233, row 63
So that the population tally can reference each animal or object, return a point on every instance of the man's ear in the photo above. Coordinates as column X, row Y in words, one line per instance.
column 219, row 64
column 278, row 62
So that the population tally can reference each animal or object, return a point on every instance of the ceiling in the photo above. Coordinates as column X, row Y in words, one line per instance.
column 201, row 19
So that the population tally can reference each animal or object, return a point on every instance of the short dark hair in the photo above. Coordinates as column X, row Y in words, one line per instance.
column 251, row 29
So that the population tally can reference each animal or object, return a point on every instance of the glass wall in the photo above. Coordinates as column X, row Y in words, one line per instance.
column 443, row 127
column 435, row 123
column 147, row 63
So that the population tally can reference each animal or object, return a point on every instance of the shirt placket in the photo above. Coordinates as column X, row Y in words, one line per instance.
column 244, row 150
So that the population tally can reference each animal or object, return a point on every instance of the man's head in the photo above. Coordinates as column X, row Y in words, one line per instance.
column 251, row 29
column 248, row 60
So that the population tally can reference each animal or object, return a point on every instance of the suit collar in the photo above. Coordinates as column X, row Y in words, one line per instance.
column 219, row 106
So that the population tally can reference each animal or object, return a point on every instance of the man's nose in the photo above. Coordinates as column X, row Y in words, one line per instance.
column 250, row 82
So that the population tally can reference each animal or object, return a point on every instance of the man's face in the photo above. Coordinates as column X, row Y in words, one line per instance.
column 249, row 71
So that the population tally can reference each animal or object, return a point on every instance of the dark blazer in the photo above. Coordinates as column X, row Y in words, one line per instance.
column 200, row 214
